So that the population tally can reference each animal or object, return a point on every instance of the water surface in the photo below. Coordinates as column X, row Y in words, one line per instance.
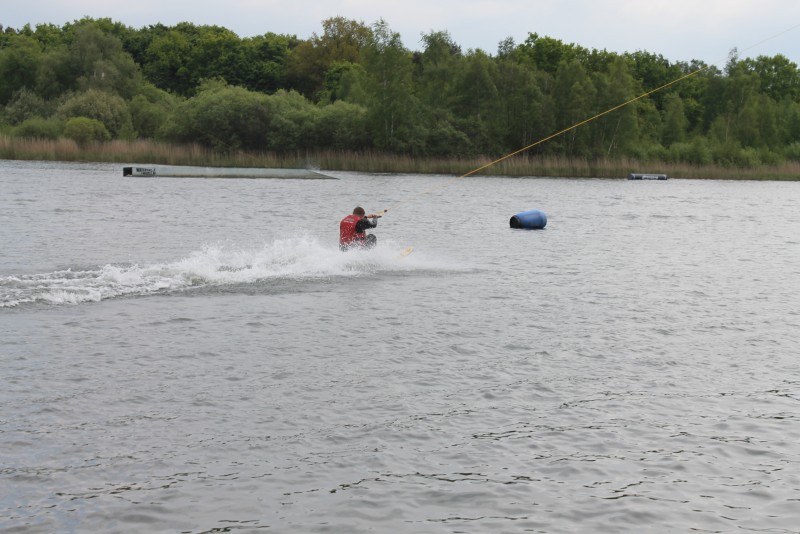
column 184, row 355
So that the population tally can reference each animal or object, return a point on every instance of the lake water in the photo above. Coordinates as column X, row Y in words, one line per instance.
column 196, row 355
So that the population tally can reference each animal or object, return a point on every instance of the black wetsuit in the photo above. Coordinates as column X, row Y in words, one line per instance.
column 365, row 224
column 362, row 226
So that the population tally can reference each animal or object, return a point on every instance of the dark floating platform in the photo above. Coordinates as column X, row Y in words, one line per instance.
column 644, row 176
column 179, row 171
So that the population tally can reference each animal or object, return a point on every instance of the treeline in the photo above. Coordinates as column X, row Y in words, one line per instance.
column 358, row 87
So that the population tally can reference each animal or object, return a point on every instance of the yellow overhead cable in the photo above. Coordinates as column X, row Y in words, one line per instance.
column 551, row 136
column 576, row 125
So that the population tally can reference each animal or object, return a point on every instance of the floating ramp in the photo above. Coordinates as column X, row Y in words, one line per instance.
column 180, row 171
column 645, row 176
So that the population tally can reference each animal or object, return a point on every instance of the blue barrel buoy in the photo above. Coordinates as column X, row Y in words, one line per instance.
column 529, row 220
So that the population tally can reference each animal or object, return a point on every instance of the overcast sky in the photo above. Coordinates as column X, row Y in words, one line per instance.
column 680, row 30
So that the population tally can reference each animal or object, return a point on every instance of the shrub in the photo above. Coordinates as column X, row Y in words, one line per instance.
column 224, row 118
column 792, row 151
column 341, row 125
column 110, row 110
column 27, row 105
column 150, row 109
column 83, row 130
column 698, row 152
column 39, row 128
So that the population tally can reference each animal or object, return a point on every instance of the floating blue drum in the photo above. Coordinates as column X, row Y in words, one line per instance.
column 529, row 220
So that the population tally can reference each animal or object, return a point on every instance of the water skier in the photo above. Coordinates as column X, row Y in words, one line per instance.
column 353, row 230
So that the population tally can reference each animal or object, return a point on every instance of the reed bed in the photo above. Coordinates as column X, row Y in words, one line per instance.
column 523, row 165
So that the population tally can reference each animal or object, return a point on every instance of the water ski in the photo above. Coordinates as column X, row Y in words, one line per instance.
column 406, row 251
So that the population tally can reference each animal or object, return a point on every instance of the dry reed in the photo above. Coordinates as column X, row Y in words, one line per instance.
column 152, row 152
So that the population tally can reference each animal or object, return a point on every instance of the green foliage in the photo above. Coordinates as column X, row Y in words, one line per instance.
column 84, row 130
column 291, row 122
column 149, row 109
column 342, row 82
column 695, row 152
column 675, row 122
column 39, row 128
column 388, row 73
column 342, row 41
column 777, row 76
column 616, row 133
column 574, row 102
column 341, row 125
column 168, row 65
column 19, row 62
column 263, row 62
column 27, row 104
column 792, row 152
column 358, row 87
column 98, row 62
column 109, row 109
column 547, row 54
column 223, row 117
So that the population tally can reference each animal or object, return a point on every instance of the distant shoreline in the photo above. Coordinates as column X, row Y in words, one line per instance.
column 146, row 152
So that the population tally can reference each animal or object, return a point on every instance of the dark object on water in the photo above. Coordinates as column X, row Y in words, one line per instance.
column 643, row 176
column 529, row 220
column 178, row 171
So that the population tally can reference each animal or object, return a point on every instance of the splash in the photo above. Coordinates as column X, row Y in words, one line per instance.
column 213, row 265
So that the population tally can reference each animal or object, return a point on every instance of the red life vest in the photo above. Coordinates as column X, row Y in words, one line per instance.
column 347, row 231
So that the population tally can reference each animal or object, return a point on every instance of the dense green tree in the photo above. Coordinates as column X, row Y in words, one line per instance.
column 341, row 125
column 615, row 133
column 675, row 122
column 168, row 63
column 218, row 53
column 756, row 124
column 388, row 73
column 778, row 77
column 19, row 62
column 150, row 109
column 84, row 130
column 356, row 86
column 109, row 109
column 574, row 97
column 98, row 61
column 789, row 114
column 292, row 122
column 39, row 128
column 476, row 103
column 435, row 67
column 343, row 81
column 525, row 111
column 342, row 41
column 25, row 105
column 263, row 63
column 547, row 53
column 223, row 117
column 653, row 71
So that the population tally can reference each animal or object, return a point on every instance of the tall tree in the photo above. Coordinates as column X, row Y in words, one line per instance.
column 675, row 122
column 778, row 77
column 19, row 62
column 476, row 102
column 99, row 62
column 437, row 65
column 342, row 40
column 616, row 133
column 388, row 69
column 574, row 94
column 167, row 63
column 526, row 115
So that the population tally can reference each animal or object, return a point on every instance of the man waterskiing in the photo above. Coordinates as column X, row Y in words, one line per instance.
column 353, row 230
